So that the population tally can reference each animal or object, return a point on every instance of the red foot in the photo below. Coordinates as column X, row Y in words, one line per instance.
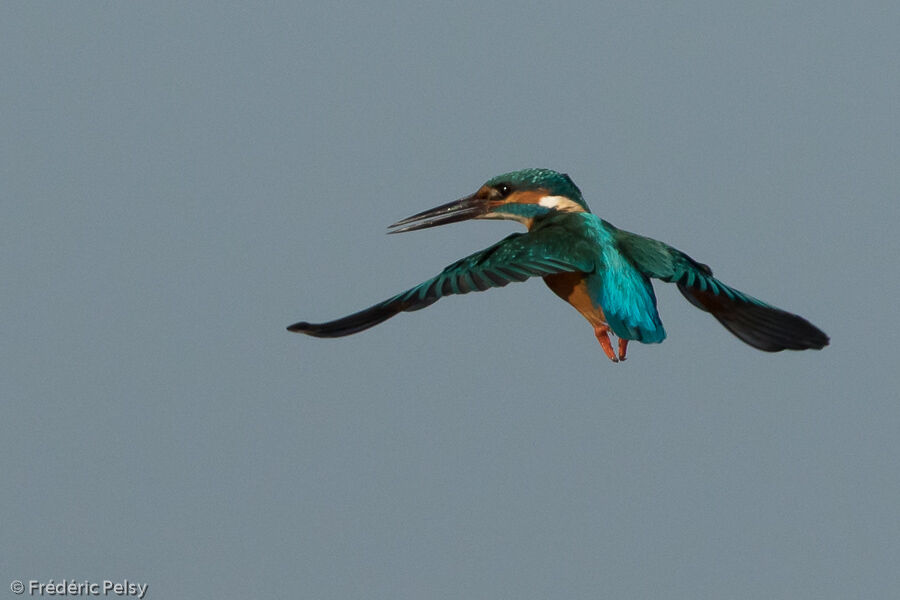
column 602, row 333
column 623, row 347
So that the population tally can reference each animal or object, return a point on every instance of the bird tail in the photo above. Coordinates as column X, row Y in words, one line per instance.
column 754, row 322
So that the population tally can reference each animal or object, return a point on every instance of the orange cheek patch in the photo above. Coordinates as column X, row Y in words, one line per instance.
column 526, row 197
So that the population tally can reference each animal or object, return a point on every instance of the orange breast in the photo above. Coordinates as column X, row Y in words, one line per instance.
column 572, row 288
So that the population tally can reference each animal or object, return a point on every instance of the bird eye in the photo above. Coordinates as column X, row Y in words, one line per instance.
column 504, row 189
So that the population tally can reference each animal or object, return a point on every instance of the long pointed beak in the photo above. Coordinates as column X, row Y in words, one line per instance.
column 463, row 209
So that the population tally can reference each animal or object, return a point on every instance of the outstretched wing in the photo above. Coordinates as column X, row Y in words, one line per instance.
column 515, row 258
column 753, row 321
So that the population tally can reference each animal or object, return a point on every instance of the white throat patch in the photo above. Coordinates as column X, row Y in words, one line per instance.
column 560, row 203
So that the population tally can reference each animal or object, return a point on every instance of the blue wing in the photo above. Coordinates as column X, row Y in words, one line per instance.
column 753, row 321
column 515, row 258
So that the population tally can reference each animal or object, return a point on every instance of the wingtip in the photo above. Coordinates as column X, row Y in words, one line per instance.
column 820, row 341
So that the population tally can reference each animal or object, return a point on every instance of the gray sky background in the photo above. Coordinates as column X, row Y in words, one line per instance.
column 180, row 182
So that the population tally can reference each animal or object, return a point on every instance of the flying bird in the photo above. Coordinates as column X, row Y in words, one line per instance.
column 604, row 272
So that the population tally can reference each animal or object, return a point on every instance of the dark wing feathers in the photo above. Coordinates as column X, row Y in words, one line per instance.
column 753, row 321
column 762, row 326
column 515, row 258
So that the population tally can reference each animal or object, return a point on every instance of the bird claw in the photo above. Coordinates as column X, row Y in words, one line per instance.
column 602, row 333
column 603, row 336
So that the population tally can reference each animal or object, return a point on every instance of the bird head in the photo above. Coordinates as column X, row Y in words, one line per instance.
column 526, row 196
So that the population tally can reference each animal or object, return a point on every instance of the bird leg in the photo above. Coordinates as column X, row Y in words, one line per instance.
column 623, row 347
column 602, row 333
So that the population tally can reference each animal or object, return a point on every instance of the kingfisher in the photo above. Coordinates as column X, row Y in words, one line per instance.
column 604, row 272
